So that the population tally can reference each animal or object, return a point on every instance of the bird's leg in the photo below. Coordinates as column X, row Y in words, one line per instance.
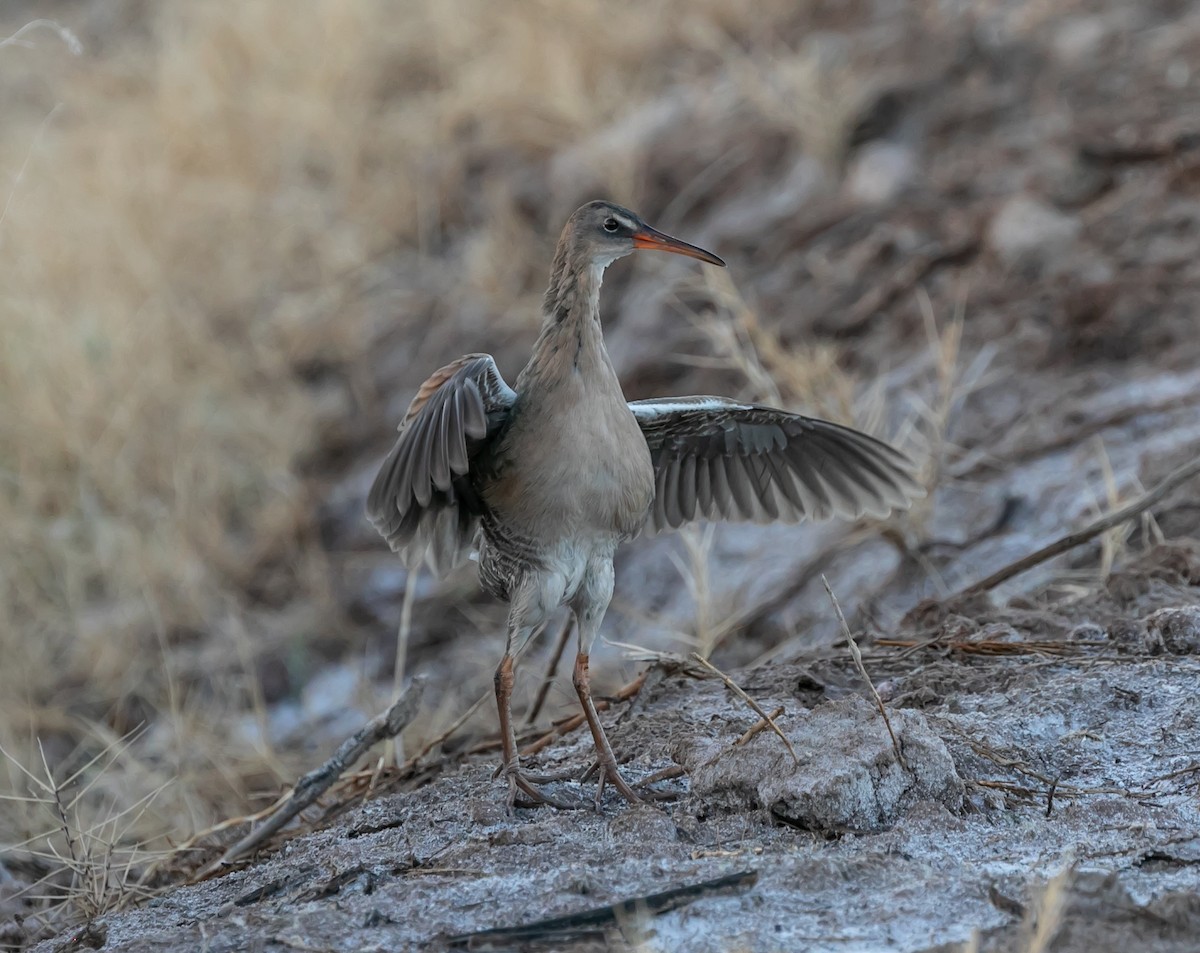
column 606, row 761
column 510, row 767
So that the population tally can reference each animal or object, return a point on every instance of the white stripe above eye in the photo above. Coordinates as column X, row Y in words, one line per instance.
column 657, row 407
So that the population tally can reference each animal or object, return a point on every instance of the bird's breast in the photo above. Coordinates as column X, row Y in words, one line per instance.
column 574, row 465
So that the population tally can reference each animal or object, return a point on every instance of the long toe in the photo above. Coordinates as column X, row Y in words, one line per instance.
column 610, row 774
column 523, row 791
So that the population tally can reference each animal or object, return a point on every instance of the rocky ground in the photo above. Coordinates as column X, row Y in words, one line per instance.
column 1008, row 250
column 1048, row 788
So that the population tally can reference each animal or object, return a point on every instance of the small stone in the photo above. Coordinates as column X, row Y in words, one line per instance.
column 1174, row 631
column 1086, row 632
column 1128, row 634
column 879, row 172
column 1024, row 227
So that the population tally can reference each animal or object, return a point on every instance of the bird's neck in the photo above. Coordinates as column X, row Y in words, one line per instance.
column 571, row 340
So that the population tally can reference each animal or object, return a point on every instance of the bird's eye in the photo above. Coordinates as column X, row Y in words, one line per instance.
column 611, row 224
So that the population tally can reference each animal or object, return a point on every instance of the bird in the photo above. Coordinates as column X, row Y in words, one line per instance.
column 542, row 481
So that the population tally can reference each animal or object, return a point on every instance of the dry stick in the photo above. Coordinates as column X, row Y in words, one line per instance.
column 1071, row 540
column 551, row 670
column 567, row 725
column 445, row 735
column 666, row 774
column 317, row 782
column 862, row 670
column 736, row 689
column 758, row 726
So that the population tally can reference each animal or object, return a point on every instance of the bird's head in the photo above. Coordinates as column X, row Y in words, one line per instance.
column 601, row 232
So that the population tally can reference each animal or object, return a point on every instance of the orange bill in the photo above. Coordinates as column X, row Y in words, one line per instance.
column 654, row 240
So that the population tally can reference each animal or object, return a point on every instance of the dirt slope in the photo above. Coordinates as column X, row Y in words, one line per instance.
column 1002, row 241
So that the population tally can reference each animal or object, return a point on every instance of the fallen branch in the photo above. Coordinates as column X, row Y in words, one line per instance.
column 862, row 670
column 1071, row 540
column 587, row 923
column 317, row 782
column 997, row 647
column 737, row 690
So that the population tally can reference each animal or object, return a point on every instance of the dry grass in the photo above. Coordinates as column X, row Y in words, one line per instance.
column 189, row 207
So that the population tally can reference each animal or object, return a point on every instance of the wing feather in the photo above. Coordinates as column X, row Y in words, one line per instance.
column 422, row 501
column 687, row 489
column 704, row 494
column 720, row 459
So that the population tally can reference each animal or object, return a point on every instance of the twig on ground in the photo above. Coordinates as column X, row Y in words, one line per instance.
column 666, row 774
column 1060, row 790
column 567, row 725
column 737, row 690
column 758, row 726
column 1000, row 648
column 862, row 670
column 1071, row 540
column 317, row 782
column 589, row 922
column 551, row 670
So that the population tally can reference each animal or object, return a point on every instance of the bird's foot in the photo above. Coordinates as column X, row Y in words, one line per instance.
column 527, row 784
column 643, row 792
column 607, row 771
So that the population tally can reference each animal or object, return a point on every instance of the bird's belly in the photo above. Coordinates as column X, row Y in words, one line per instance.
column 552, row 571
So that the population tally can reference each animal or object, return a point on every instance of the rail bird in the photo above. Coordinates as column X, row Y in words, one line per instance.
column 546, row 479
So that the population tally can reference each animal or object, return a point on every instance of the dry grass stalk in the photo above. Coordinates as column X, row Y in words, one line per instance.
column 710, row 632
column 1043, row 918
column 808, row 379
column 737, row 690
column 395, row 747
column 90, row 860
column 20, row 37
column 862, row 670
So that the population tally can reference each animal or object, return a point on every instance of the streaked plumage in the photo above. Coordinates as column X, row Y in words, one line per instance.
column 547, row 479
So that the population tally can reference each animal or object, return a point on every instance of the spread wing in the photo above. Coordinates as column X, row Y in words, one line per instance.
column 421, row 501
column 716, row 459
